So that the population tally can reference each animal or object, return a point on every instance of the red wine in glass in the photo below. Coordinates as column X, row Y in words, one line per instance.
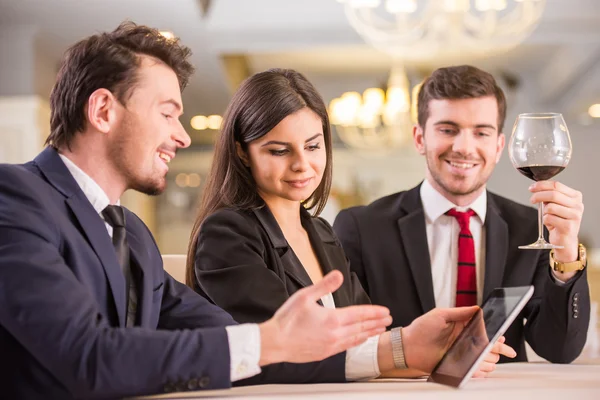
column 541, row 172
column 540, row 147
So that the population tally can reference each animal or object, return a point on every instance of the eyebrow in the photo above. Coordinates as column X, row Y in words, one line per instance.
column 287, row 144
column 174, row 103
column 478, row 126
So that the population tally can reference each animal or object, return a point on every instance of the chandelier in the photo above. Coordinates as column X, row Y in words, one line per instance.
column 439, row 30
column 378, row 119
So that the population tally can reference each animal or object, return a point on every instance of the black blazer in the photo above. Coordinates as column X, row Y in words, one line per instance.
column 62, row 291
column 386, row 243
column 245, row 266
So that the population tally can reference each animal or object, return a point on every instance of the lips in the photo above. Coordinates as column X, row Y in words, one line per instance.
column 298, row 183
column 462, row 164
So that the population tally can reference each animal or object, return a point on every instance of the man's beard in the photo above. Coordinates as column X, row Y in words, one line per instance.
column 119, row 156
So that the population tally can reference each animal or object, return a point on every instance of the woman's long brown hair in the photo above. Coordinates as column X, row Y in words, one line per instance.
column 260, row 103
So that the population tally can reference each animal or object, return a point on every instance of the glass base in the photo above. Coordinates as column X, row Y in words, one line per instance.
column 540, row 244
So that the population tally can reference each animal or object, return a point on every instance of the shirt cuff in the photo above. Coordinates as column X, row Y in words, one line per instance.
column 361, row 360
column 244, row 350
column 556, row 280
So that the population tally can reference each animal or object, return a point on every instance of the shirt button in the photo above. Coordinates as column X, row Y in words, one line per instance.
column 204, row 382
column 192, row 384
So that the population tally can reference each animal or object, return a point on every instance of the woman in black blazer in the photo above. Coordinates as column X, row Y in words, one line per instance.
column 254, row 242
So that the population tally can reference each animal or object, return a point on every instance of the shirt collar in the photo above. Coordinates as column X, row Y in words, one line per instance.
column 89, row 187
column 436, row 205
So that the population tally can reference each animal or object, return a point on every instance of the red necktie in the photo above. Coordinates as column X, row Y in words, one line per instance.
column 466, row 276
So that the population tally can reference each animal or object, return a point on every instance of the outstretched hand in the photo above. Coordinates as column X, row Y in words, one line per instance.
column 303, row 331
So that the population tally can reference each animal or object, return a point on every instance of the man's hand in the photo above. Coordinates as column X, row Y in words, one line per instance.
column 563, row 210
column 428, row 338
column 488, row 364
column 303, row 331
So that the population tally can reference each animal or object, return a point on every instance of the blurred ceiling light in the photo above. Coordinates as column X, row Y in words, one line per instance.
column 442, row 30
column 594, row 110
column 167, row 35
column 193, row 180
column 202, row 122
column 199, row 122
column 214, row 121
column 377, row 120
column 181, row 180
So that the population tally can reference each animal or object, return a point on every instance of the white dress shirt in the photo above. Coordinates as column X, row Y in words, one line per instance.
column 442, row 239
column 361, row 360
column 244, row 340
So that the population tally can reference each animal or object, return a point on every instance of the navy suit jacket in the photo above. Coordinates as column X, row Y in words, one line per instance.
column 62, row 301
column 386, row 243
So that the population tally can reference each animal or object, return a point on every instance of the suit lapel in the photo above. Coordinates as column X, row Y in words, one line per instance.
column 414, row 238
column 496, row 245
column 328, row 254
column 89, row 221
column 290, row 262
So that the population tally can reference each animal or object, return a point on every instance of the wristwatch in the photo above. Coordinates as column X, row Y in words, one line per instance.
column 576, row 265
column 397, row 348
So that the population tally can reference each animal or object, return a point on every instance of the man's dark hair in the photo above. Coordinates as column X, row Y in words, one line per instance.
column 110, row 61
column 460, row 82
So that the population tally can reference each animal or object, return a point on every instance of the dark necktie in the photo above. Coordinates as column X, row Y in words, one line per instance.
column 115, row 217
column 466, row 273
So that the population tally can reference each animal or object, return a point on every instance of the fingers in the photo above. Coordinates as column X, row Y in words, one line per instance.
column 458, row 314
column 542, row 186
column 347, row 342
column 329, row 284
column 487, row 367
column 561, row 212
column 503, row 349
column 479, row 374
column 556, row 192
column 367, row 325
column 357, row 314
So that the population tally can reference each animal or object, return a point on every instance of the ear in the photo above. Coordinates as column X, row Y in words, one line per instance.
column 242, row 154
column 500, row 146
column 102, row 110
column 419, row 139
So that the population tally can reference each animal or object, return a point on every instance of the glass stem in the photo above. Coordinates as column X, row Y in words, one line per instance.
column 540, row 223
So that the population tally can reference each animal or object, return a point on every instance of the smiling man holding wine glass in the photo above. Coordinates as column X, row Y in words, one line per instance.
column 449, row 241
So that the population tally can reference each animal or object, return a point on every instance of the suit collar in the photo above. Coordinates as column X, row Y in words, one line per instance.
column 94, row 193
column 435, row 204
column 92, row 226
column 411, row 224
column 292, row 265
column 56, row 173
column 275, row 234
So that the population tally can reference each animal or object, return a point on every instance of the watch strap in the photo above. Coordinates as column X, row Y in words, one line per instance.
column 398, row 348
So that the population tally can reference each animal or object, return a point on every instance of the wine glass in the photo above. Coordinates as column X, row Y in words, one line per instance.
column 539, row 148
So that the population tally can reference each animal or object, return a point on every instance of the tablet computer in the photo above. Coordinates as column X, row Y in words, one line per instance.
column 479, row 335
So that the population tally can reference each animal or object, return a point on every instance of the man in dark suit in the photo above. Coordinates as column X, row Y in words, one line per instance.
column 449, row 241
column 87, row 310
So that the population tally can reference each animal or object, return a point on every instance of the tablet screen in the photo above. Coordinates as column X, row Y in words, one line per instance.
column 484, row 328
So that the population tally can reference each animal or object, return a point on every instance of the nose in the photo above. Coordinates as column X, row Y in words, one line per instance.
column 300, row 162
column 464, row 143
column 181, row 137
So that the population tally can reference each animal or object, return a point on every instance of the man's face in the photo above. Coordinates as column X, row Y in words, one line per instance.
column 148, row 132
column 461, row 145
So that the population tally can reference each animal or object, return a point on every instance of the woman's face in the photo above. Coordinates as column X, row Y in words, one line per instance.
column 288, row 162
